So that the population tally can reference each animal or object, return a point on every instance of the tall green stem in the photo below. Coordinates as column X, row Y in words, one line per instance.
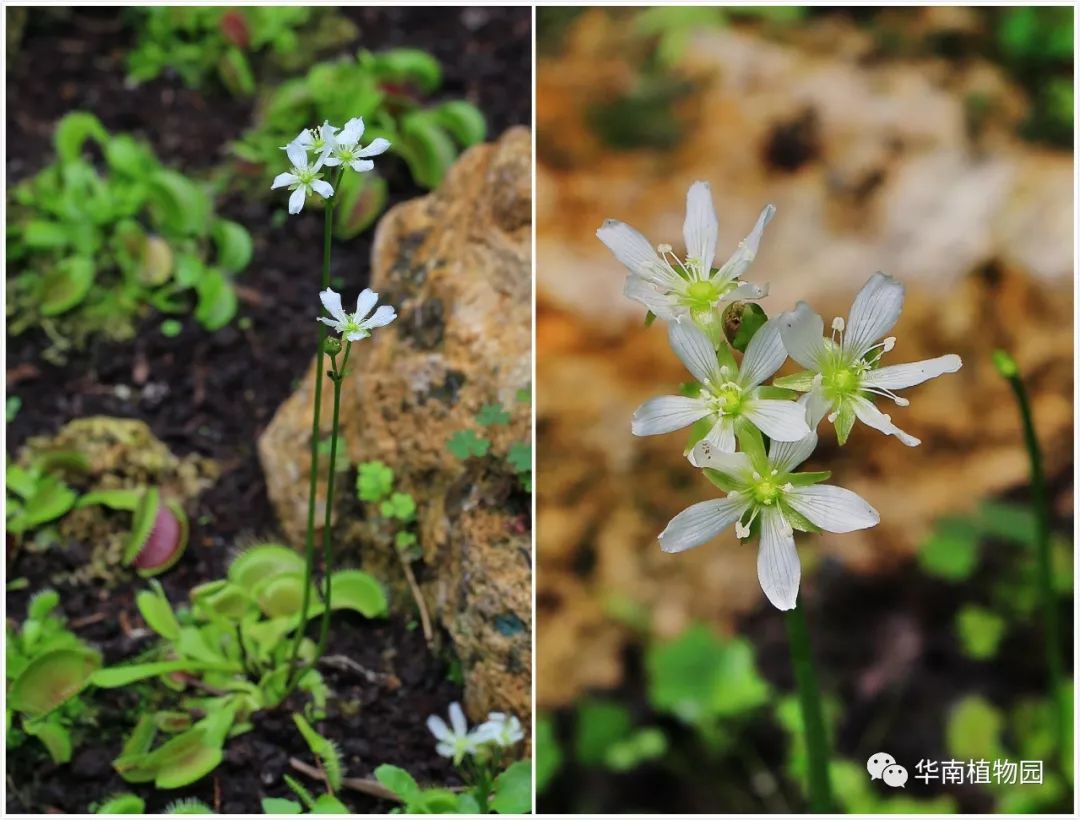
column 313, row 474
column 1006, row 365
column 817, row 745
column 324, row 626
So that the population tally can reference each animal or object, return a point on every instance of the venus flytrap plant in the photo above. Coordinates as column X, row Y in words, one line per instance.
column 309, row 152
column 748, row 439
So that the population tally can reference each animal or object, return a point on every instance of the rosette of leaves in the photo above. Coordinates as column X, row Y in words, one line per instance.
column 47, row 666
column 106, row 233
column 38, row 494
column 204, row 43
column 391, row 91
column 226, row 656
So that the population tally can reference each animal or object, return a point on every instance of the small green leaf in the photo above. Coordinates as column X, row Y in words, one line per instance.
column 599, row 725
column 409, row 65
column 520, row 456
column 51, row 679
column 186, row 758
column 117, row 676
column 492, row 414
column 157, row 612
column 741, row 321
column 374, row 481
column 952, row 551
column 356, row 590
column 42, row 604
column 257, row 563
column 171, row 328
column 122, row 804
column 973, row 731
column 465, row 444
column 51, row 499
column 39, row 234
column 127, row 500
column 13, row 406
column 233, row 244
column 399, row 781
column 281, row 805
column 463, row 120
column 400, row 506
column 54, row 737
column 513, row 789
column 549, row 756
column 217, row 300
column 74, row 130
column 328, row 804
column 980, row 631
column 66, row 285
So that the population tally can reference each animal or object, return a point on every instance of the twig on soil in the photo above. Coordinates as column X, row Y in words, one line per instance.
column 87, row 620
column 347, row 664
column 359, row 784
column 425, row 619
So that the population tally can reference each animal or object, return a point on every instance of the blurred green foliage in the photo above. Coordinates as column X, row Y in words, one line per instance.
column 203, row 42
column 390, row 91
column 980, row 630
column 95, row 244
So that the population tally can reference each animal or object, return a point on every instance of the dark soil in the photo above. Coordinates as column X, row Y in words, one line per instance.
column 215, row 393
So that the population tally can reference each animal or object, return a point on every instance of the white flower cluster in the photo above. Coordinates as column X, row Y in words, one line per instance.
column 842, row 374
column 457, row 741
column 326, row 146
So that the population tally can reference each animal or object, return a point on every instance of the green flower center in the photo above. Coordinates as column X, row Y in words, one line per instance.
column 841, row 379
column 702, row 295
column 766, row 490
column 307, row 176
column 727, row 399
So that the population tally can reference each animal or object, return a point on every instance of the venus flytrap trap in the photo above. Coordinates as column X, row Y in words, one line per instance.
column 748, row 438
column 309, row 152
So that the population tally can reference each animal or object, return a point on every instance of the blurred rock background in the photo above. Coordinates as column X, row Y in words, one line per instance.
column 933, row 144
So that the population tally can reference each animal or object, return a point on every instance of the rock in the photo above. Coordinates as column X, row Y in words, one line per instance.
column 457, row 265
column 872, row 164
column 122, row 453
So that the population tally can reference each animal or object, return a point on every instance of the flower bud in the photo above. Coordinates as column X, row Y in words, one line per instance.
column 741, row 321
column 332, row 345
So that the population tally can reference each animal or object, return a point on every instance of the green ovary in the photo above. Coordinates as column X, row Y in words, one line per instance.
column 765, row 491
column 701, row 296
column 727, row 400
column 841, row 382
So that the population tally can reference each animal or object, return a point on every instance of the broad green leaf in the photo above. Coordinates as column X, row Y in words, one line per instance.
column 217, row 300
column 973, row 731
column 426, row 147
column 264, row 561
column 397, row 780
column 980, row 631
column 157, row 612
column 156, row 262
column 125, row 155
column 407, row 65
column 952, row 551
column 741, row 321
column 513, row 789
column 464, row 121
column 599, row 724
column 549, row 756
column 233, row 244
column 235, row 73
column 184, row 759
column 356, row 590
column 54, row 737
column 281, row 805
column 328, row 804
column 122, row 804
column 358, row 202
column 66, row 285
column 40, row 234
column 281, row 595
column 51, row 679
column 52, row 498
column 42, row 604
column 1010, row 522
column 643, row 745
column 180, row 206
column 74, row 130
column 117, row 676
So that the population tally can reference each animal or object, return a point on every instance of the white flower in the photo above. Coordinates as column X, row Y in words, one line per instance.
column 844, row 371
column 730, row 394
column 672, row 288
column 501, row 729
column 320, row 141
column 454, row 741
column 359, row 325
column 346, row 148
column 764, row 489
column 304, row 177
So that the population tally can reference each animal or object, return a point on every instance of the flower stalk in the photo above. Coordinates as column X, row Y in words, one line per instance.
column 817, row 744
column 1008, row 368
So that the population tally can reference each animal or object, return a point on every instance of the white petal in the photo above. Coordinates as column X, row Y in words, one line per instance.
column 722, row 436
column 700, row 227
column 665, row 414
column 437, row 726
column 296, row 200
column 817, row 406
column 832, row 508
column 331, row 161
column 872, row 417
column 327, row 132
column 748, row 248
column 457, row 719
column 695, row 351
column 377, row 146
column 785, row 456
column 747, row 290
column 364, row 303
column 663, row 307
column 445, row 748
column 351, row 133
column 702, row 522
column 763, row 356
column 897, row 376
column 304, row 139
column 383, row 316
column 779, row 419
column 635, row 252
column 778, row 562
column 298, row 154
column 323, row 188
column 802, row 329
column 284, row 180
column 332, row 302
column 873, row 313
column 336, row 325
column 361, row 166
column 728, row 462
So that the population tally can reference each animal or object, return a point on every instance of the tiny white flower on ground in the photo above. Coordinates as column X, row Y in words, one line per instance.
column 730, row 394
column 501, row 729
column 303, row 179
column 843, row 371
column 453, row 741
column 359, row 325
column 347, row 150
column 764, row 489
column 672, row 288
